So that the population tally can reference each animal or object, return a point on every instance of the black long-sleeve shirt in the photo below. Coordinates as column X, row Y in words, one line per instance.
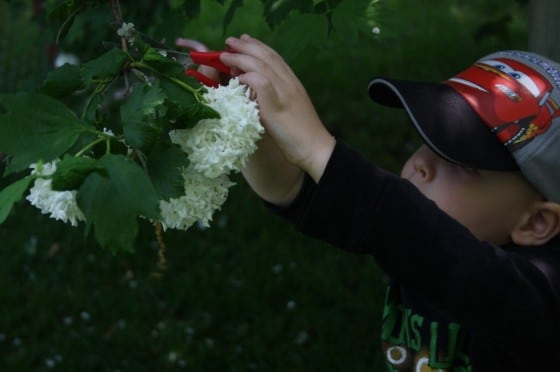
column 454, row 302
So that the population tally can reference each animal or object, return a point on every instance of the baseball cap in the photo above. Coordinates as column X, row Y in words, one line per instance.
column 502, row 113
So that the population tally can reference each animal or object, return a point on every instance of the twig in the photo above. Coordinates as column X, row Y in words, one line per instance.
column 162, row 262
column 116, row 9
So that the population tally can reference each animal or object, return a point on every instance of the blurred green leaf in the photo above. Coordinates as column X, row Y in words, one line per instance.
column 231, row 12
column 299, row 31
column 72, row 170
column 113, row 202
column 36, row 127
column 105, row 67
column 276, row 11
column 62, row 81
column 139, row 114
column 346, row 19
column 11, row 195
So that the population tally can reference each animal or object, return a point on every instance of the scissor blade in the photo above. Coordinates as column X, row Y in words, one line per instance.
column 181, row 57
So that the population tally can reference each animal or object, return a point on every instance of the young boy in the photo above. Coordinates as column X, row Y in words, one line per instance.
column 468, row 235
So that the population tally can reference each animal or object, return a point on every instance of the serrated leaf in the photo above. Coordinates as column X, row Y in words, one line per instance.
column 62, row 81
column 112, row 203
column 105, row 67
column 11, row 195
column 34, row 126
column 187, row 110
column 139, row 114
column 164, row 167
column 200, row 111
column 179, row 96
column 72, row 170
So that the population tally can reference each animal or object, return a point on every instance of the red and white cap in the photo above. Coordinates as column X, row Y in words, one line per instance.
column 502, row 113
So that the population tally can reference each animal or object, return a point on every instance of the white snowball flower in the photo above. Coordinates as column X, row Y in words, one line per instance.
column 218, row 146
column 203, row 196
column 60, row 205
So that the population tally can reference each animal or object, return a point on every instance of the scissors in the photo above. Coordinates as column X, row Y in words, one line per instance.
column 191, row 59
column 194, row 58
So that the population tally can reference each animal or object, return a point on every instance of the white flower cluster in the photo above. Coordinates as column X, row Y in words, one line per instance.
column 202, row 197
column 218, row 146
column 60, row 205
column 127, row 31
column 215, row 148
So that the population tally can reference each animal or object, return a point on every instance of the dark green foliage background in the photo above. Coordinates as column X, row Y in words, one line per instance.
column 248, row 294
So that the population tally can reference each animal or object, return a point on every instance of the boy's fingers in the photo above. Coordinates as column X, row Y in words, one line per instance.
column 262, row 89
column 248, row 63
column 191, row 44
column 255, row 48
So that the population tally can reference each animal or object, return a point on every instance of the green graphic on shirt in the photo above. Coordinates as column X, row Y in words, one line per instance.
column 412, row 342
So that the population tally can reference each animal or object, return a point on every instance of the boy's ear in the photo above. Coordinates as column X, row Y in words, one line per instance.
column 539, row 225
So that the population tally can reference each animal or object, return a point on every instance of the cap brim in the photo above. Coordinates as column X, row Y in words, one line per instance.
column 446, row 122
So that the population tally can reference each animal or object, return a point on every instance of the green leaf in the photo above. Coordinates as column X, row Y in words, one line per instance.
column 163, row 64
column 64, row 12
column 187, row 111
column 179, row 96
column 298, row 32
column 113, row 202
column 105, row 67
column 164, row 167
column 230, row 13
column 345, row 19
column 62, row 81
column 200, row 111
column 72, row 170
column 276, row 11
column 139, row 114
column 11, row 195
column 34, row 126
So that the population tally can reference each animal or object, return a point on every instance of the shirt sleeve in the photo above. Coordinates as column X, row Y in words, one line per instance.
column 362, row 208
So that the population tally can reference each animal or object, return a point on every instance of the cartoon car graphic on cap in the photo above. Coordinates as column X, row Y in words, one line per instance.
column 512, row 98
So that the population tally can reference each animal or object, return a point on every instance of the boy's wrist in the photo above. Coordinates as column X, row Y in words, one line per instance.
column 315, row 164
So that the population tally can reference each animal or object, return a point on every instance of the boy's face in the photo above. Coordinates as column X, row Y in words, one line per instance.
column 488, row 203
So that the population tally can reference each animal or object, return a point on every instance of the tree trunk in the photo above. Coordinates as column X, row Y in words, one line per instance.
column 544, row 37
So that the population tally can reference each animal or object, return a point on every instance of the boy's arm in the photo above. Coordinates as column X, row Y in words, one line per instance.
column 296, row 139
column 270, row 175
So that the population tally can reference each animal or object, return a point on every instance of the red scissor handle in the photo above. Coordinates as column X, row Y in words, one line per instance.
column 211, row 59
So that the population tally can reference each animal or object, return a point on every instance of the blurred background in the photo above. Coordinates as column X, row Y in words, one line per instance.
column 249, row 293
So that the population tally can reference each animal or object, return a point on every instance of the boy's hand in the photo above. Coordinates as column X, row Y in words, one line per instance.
column 286, row 110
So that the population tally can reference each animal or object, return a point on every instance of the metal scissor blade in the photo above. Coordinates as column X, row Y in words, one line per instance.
column 180, row 57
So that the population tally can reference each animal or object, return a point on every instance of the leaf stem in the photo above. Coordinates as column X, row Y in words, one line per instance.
column 98, row 89
column 90, row 145
column 180, row 83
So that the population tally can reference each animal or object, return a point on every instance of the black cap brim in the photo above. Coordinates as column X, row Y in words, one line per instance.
column 446, row 122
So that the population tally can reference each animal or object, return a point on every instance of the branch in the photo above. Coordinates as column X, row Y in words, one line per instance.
column 116, row 9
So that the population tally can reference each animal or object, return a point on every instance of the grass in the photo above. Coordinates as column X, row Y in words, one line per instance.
column 250, row 293
column 236, row 297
